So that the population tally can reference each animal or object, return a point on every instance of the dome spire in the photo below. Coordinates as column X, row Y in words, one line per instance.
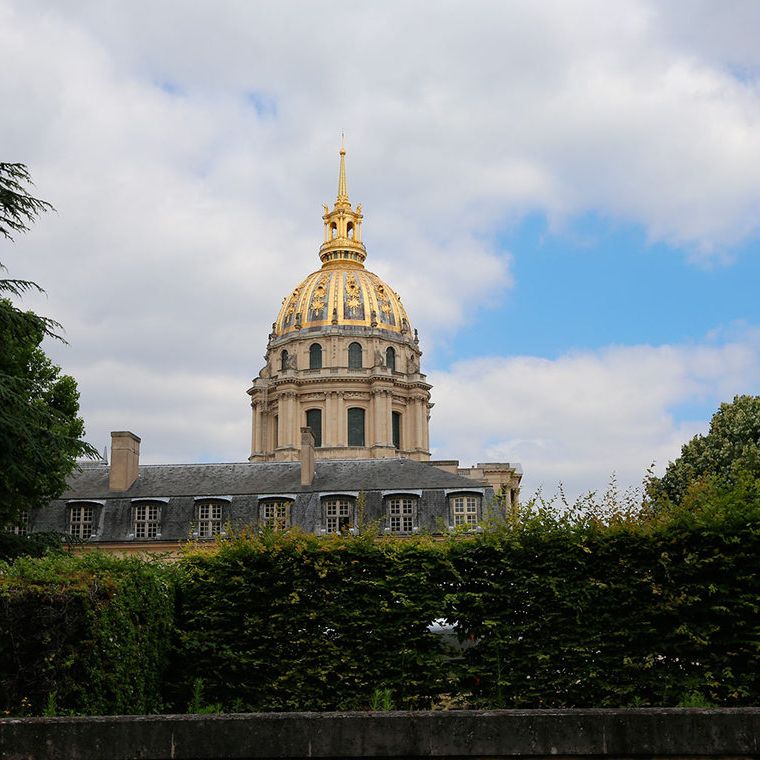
column 342, row 186
column 343, row 226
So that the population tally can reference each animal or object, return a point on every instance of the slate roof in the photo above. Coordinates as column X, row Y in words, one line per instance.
column 239, row 478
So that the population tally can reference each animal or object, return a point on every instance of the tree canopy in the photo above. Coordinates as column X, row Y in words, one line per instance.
column 729, row 451
column 40, row 430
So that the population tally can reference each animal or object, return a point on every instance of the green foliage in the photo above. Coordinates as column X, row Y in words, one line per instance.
column 31, row 545
column 296, row 622
column 83, row 634
column 17, row 206
column 601, row 604
column 40, row 432
column 731, row 448
column 609, row 608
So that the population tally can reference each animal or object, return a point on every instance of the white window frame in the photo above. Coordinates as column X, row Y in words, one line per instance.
column 81, row 520
column 275, row 513
column 21, row 526
column 401, row 514
column 465, row 509
column 209, row 517
column 146, row 520
column 338, row 511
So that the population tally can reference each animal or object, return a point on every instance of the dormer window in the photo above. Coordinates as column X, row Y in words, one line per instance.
column 21, row 526
column 209, row 521
column 147, row 520
column 276, row 514
column 81, row 520
column 465, row 509
column 338, row 514
column 401, row 514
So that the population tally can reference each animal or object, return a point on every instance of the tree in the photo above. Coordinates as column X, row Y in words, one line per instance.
column 730, row 451
column 40, row 430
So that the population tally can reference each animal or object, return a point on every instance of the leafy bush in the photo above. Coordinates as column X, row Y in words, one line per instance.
column 83, row 634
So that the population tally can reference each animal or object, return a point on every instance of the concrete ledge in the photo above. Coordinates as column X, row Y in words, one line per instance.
column 537, row 734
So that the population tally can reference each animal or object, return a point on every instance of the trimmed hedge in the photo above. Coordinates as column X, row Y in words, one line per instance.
column 295, row 622
column 83, row 635
column 568, row 610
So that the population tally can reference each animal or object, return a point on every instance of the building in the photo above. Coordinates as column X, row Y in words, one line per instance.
column 340, row 416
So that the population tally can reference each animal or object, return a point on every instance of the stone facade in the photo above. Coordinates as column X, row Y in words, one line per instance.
column 343, row 359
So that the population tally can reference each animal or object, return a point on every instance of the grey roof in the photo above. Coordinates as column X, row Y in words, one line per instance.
column 167, row 480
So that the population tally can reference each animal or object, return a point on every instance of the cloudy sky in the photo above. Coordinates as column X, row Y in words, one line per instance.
column 565, row 194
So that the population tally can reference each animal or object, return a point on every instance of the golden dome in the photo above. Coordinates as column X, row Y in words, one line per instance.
column 342, row 292
column 342, row 295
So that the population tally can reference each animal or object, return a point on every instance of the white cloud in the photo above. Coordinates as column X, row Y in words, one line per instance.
column 186, row 210
column 581, row 417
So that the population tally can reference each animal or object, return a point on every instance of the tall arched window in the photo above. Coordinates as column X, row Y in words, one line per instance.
column 390, row 358
column 350, row 230
column 355, row 356
column 314, row 421
column 356, row 427
column 396, row 425
column 283, row 360
column 315, row 356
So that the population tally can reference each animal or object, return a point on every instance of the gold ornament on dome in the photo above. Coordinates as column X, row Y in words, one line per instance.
column 320, row 295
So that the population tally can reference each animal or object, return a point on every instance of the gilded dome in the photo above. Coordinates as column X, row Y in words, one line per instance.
column 342, row 295
column 342, row 292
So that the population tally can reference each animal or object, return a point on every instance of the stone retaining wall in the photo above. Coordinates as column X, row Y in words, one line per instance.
column 536, row 734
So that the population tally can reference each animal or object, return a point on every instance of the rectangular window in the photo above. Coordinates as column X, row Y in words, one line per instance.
column 147, row 520
column 396, row 424
column 209, row 520
column 464, row 509
column 314, row 421
column 276, row 514
column 338, row 515
column 21, row 526
column 356, row 427
column 80, row 521
column 401, row 514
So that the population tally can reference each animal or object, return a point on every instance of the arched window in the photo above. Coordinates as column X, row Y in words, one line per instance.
column 283, row 361
column 315, row 356
column 396, row 425
column 350, row 230
column 314, row 421
column 356, row 427
column 355, row 356
column 390, row 358
column 334, row 230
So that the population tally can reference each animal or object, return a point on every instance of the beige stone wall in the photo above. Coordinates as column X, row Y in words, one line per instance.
column 281, row 397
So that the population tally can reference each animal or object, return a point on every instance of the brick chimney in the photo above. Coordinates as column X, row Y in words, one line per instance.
column 307, row 456
column 125, row 460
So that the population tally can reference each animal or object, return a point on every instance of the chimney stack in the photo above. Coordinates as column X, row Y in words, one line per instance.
column 307, row 456
column 125, row 460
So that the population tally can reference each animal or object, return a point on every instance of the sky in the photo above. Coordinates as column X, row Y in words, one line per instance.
column 565, row 194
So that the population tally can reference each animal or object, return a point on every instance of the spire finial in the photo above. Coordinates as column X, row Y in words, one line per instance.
column 342, row 186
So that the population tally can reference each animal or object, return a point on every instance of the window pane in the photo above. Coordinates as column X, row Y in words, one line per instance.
column 315, row 356
column 356, row 427
column 314, row 421
column 338, row 515
column 354, row 356
column 401, row 514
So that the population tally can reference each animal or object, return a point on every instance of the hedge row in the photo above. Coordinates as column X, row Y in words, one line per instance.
column 85, row 635
column 565, row 610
